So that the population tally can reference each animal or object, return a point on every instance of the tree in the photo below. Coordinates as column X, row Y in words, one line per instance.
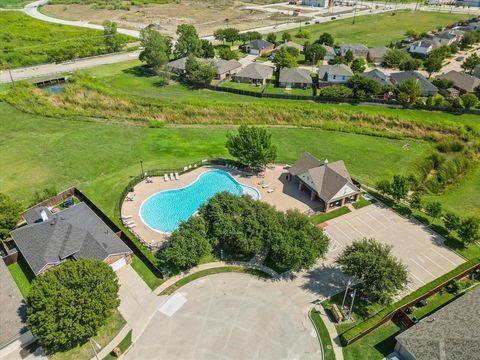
column 284, row 59
column 399, row 187
column 471, row 62
column 300, row 243
column 416, row 201
column 363, row 87
column 410, row 89
column 349, row 56
column 302, row 34
column 314, row 53
column 358, row 65
column 335, row 92
column 394, row 57
column 468, row 230
column 156, row 49
column 434, row 209
column 231, row 35
column 433, row 64
column 469, row 38
column 252, row 146
column 383, row 186
column 469, row 100
column 252, row 35
column 187, row 245
column 114, row 42
column 69, row 303
column 410, row 64
column 219, row 35
column 10, row 211
column 376, row 271
column 451, row 221
column 203, row 72
column 188, row 42
column 411, row 33
column 338, row 59
column 326, row 39
column 208, row 50
column 286, row 37
column 272, row 37
column 226, row 53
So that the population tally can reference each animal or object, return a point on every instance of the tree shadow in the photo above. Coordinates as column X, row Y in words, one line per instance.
column 325, row 280
column 140, row 71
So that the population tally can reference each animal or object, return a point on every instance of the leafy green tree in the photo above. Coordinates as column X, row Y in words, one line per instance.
column 284, row 59
column 469, row 38
column 303, row 34
column 451, row 221
column 338, row 59
column 434, row 209
column 383, row 186
column 433, row 64
column 200, row 71
column 188, row 42
column 409, row 91
column 376, row 271
column 208, row 50
column 187, row 245
column 471, row 62
column 358, row 65
column 252, row 35
column 363, row 87
column 410, row 64
column 272, row 37
column 469, row 100
column 326, row 39
column 468, row 230
column 231, row 35
column 349, row 56
column 46, row 193
column 156, row 49
column 252, row 146
column 69, row 303
column 300, row 243
column 335, row 92
column 10, row 211
column 394, row 57
column 314, row 53
column 416, row 201
column 219, row 35
column 114, row 42
column 286, row 37
column 399, row 187
column 226, row 53
column 411, row 33
column 457, row 103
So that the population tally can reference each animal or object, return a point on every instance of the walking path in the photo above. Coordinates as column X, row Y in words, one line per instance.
column 332, row 331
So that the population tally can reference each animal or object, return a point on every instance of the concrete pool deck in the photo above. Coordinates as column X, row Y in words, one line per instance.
column 285, row 196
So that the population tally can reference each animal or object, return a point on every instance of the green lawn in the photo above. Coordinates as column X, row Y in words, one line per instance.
column 374, row 346
column 124, row 345
column 278, row 90
column 381, row 29
column 24, row 40
column 322, row 217
column 150, row 279
column 23, row 276
column 324, row 335
column 362, row 202
column 12, row 3
column 106, row 334
column 241, row 86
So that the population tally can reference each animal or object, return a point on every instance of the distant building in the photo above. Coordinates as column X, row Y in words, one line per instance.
column 259, row 47
column 224, row 68
column 295, row 78
column 378, row 76
column 358, row 50
column 329, row 183
column 428, row 89
column 330, row 54
column 463, row 82
column 337, row 74
column 377, row 54
column 469, row 3
column 316, row 3
column 451, row 333
column 255, row 74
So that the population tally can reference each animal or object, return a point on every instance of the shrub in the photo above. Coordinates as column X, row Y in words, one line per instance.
column 450, row 145
column 335, row 91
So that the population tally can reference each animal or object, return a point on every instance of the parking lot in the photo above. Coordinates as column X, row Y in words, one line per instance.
column 420, row 248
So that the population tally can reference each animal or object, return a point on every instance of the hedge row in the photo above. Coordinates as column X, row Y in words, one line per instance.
column 354, row 333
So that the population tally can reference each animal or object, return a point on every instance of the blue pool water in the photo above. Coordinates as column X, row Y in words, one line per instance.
column 165, row 210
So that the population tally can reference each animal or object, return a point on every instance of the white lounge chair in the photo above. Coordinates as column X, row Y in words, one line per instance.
column 271, row 190
column 165, row 177
column 185, row 168
column 177, row 177
column 129, row 197
column 131, row 226
column 265, row 185
column 126, row 217
column 149, row 180
column 172, row 177
column 189, row 166
column 261, row 182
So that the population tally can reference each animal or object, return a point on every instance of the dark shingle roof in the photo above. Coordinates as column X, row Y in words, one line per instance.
column 306, row 161
column 260, row 44
column 256, row 71
column 378, row 76
column 295, row 75
column 451, row 333
column 37, row 214
column 224, row 66
column 337, row 69
column 76, row 231
column 463, row 81
column 402, row 76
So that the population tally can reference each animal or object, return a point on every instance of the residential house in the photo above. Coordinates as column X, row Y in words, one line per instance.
column 330, row 183
column 291, row 44
column 376, row 55
column 476, row 71
column 463, row 82
column 452, row 332
column 422, row 47
column 330, row 54
column 178, row 66
column 378, row 76
column 428, row 89
column 337, row 74
column 226, row 68
column 259, row 47
column 448, row 37
column 49, row 238
column 295, row 78
column 255, row 74
column 358, row 50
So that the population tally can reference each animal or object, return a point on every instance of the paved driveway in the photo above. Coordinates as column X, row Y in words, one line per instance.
column 416, row 245
column 234, row 316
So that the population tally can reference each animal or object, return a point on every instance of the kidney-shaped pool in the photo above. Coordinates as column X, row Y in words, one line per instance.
column 165, row 210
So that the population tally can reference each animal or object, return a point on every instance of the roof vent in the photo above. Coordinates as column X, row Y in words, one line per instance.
column 54, row 221
column 44, row 215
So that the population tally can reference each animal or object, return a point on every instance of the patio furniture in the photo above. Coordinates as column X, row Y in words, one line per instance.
column 265, row 186
column 149, row 180
column 185, row 168
column 177, row 177
column 271, row 190
column 126, row 217
column 165, row 177
column 172, row 177
column 129, row 197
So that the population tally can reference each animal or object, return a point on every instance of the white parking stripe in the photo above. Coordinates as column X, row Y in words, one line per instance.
column 418, row 279
column 360, row 219
column 373, row 218
column 343, row 232
column 443, row 256
column 428, row 258
column 355, row 229
column 424, row 268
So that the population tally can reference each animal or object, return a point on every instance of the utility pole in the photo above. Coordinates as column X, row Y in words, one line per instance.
column 355, row 12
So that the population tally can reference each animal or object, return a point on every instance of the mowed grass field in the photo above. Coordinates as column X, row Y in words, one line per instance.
column 381, row 29
column 100, row 158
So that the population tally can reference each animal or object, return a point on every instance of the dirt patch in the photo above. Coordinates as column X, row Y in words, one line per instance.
column 205, row 15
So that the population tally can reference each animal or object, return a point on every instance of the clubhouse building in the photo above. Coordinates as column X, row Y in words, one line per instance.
column 330, row 183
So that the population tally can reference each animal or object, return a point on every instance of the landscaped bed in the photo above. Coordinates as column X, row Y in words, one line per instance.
column 322, row 331
column 22, row 275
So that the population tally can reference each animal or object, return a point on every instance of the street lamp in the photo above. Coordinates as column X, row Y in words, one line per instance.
column 141, row 165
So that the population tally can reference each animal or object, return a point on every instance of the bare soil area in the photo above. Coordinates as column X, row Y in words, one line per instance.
column 205, row 15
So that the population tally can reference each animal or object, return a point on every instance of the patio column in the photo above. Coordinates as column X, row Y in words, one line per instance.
column 343, row 202
column 312, row 195
column 300, row 185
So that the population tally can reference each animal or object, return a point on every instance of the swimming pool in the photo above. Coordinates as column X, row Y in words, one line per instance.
column 165, row 210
